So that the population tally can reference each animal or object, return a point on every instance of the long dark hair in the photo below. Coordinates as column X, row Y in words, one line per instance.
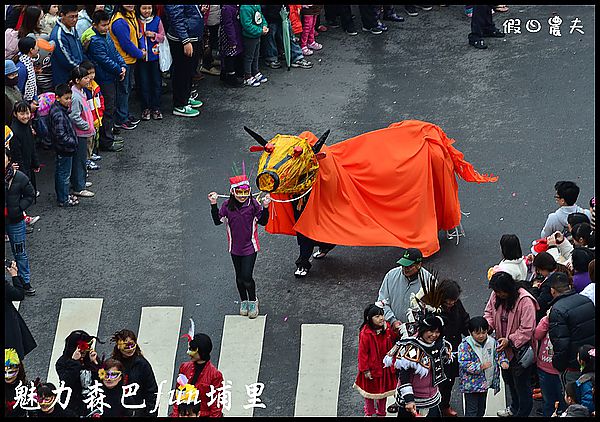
column 510, row 246
column 503, row 282
column 30, row 22
column 589, row 360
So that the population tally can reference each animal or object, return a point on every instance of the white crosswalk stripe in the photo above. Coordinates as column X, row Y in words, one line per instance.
column 319, row 367
column 319, row 370
column 158, row 338
column 241, row 337
column 70, row 319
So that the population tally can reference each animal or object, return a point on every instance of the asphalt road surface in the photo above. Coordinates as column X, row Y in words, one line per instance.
column 523, row 109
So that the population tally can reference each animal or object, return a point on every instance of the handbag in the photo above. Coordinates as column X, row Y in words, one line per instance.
column 164, row 56
column 523, row 358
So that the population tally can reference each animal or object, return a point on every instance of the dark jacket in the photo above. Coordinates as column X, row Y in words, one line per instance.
column 62, row 133
column 68, row 53
column 113, row 398
column 455, row 327
column 70, row 371
column 271, row 12
column 185, row 22
column 543, row 296
column 16, row 334
column 22, row 147
column 17, row 198
column 138, row 370
column 107, row 61
column 572, row 324
column 58, row 412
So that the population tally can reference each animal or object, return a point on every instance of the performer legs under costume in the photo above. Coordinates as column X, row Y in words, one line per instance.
column 306, row 244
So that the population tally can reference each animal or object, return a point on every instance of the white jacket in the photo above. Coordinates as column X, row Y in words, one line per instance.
column 515, row 267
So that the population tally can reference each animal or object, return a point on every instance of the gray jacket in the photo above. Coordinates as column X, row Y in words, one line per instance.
column 557, row 220
column 396, row 290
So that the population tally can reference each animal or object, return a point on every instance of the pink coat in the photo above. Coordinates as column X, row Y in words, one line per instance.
column 521, row 319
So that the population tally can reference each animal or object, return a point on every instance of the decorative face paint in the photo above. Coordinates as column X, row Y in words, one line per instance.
column 10, row 374
column 192, row 353
column 241, row 193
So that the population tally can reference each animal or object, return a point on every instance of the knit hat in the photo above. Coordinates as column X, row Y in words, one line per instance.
column 9, row 67
column 203, row 344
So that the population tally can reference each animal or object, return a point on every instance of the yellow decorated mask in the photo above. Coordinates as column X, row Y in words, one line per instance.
column 126, row 345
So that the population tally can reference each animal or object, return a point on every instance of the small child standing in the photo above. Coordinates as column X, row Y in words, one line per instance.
column 549, row 377
column 83, row 121
column 479, row 366
column 242, row 214
column 96, row 103
column 64, row 141
column 254, row 26
column 22, row 144
column 27, row 81
column 310, row 12
column 374, row 382
column 586, row 383
column 149, row 80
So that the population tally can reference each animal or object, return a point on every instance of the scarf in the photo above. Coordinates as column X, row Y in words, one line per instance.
column 30, row 85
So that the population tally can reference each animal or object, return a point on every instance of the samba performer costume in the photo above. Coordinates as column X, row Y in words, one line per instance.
column 420, row 368
column 241, row 213
column 395, row 186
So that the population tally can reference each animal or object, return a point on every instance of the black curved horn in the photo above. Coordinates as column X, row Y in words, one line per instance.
column 317, row 146
column 256, row 136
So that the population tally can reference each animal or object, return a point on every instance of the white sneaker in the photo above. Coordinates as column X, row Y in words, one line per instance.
column 88, row 184
column 84, row 193
column 253, row 308
column 244, row 308
column 504, row 413
column 301, row 272
column 260, row 78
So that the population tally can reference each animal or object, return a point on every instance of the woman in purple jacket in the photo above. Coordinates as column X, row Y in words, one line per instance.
column 241, row 213
column 231, row 46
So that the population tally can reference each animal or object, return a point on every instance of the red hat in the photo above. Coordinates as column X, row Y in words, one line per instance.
column 540, row 245
column 237, row 181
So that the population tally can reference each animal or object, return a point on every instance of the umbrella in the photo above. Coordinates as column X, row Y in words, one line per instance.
column 285, row 25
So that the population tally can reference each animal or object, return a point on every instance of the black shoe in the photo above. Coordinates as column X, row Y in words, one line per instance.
column 351, row 31
column 411, row 10
column 496, row 34
column 112, row 148
column 301, row 272
column 394, row 18
column 29, row 290
column 332, row 24
column 424, row 7
column 28, row 230
column 134, row 120
column 116, row 131
column 480, row 44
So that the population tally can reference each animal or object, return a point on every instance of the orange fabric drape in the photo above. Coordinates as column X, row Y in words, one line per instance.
column 390, row 187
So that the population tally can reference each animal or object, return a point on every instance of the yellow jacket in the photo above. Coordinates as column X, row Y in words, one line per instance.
column 126, row 43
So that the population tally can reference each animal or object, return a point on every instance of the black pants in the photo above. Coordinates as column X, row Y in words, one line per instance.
column 149, row 84
column 343, row 11
column 244, row 266
column 108, row 120
column 446, row 391
column 182, row 71
column 368, row 16
column 233, row 64
column 475, row 404
column 211, row 42
column 481, row 23
column 307, row 245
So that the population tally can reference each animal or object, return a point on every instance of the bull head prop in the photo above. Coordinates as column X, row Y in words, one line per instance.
column 289, row 164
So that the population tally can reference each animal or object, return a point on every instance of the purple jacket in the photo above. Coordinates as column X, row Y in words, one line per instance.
column 242, row 225
column 580, row 280
column 230, row 31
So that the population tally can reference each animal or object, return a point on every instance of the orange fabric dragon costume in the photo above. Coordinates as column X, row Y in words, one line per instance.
column 395, row 186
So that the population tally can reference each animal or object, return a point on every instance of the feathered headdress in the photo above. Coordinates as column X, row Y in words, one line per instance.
column 240, row 179
column 191, row 331
column 432, row 295
column 11, row 357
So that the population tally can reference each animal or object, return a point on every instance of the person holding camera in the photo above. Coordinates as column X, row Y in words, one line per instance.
column 17, row 334
column 19, row 194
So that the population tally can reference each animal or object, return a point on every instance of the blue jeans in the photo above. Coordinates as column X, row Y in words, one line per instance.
column 16, row 234
column 78, row 168
column 62, row 174
column 519, row 387
column 123, row 88
column 551, row 392
column 149, row 84
column 271, row 52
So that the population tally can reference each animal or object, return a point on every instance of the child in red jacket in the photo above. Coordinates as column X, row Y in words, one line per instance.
column 374, row 382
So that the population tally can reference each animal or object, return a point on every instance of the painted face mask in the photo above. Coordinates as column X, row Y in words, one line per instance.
column 47, row 403
column 10, row 373
column 126, row 346
column 242, row 193
column 113, row 375
column 192, row 353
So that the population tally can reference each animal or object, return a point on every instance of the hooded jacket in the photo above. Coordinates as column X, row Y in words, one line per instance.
column 572, row 324
column 67, row 54
column 521, row 320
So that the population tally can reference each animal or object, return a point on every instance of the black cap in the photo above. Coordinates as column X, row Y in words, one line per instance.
column 411, row 256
